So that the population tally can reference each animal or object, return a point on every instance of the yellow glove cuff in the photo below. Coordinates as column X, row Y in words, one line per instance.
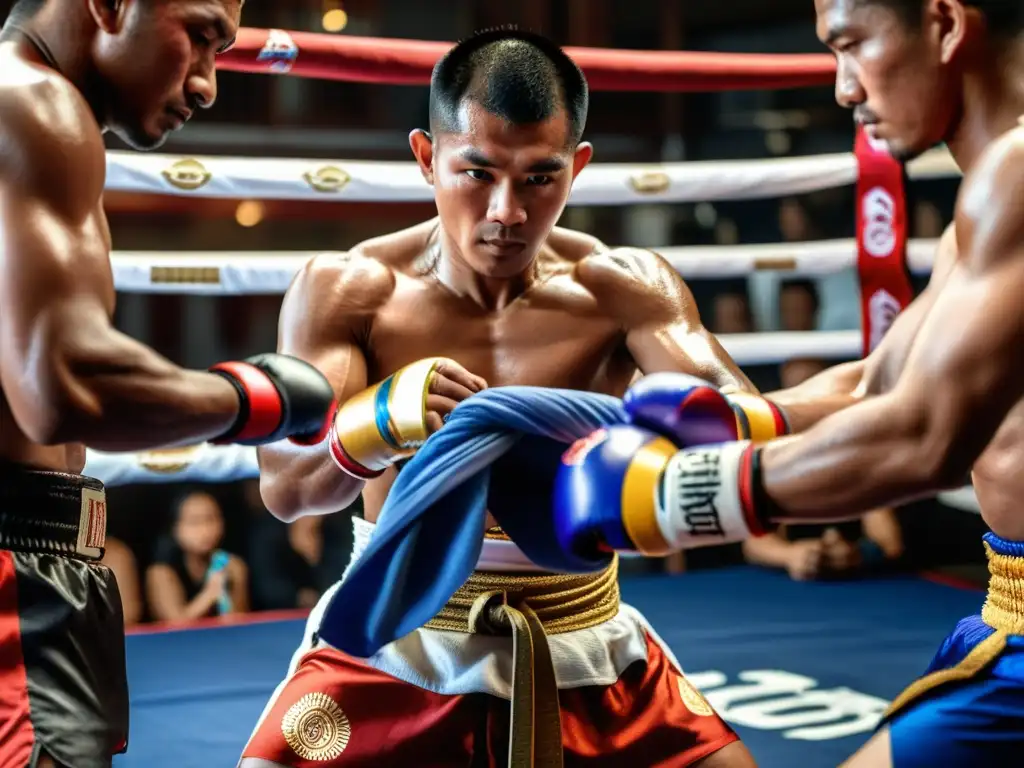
column 385, row 422
column 757, row 419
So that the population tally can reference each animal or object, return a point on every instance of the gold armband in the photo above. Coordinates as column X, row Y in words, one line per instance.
column 757, row 419
column 385, row 422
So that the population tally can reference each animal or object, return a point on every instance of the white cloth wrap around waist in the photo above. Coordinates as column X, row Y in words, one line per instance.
column 454, row 663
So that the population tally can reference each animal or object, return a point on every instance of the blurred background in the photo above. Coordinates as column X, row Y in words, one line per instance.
column 161, row 532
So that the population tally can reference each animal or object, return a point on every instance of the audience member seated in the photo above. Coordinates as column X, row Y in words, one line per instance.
column 298, row 561
column 191, row 577
column 118, row 557
column 869, row 546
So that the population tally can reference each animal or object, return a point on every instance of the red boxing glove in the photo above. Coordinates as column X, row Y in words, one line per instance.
column 281, row 397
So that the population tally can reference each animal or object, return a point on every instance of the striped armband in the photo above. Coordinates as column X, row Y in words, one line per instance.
column 384, row 423
column 757, row 418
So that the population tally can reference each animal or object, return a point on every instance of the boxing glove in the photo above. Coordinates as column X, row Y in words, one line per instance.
column 384, row 423
column 627, row 488
column 281, row 397
column 690, row 411
column 606, row 489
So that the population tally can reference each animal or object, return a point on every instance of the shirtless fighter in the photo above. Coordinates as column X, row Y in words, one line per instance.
column 70, row 69
column 488, row 293
column 941, row 396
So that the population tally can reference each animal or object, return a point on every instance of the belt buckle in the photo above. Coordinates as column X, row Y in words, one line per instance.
column 92, row 524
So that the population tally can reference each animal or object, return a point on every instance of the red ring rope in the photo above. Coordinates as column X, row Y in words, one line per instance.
column 409, row 62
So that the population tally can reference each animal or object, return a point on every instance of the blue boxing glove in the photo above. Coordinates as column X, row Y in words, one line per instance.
column 601, row 476
column 623, row 489
column 690, row 411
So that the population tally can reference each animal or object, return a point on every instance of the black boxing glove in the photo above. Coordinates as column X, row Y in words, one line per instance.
column 281, row 396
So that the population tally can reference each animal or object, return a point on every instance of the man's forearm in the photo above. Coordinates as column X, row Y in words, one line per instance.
column 820, row 396
column 297, row 481
column 871, row 455
column 122, row 396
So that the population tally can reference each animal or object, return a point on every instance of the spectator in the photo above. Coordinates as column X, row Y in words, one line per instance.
column 798, row 305
column 118, row 557
column 191, row 577
column 807, row 552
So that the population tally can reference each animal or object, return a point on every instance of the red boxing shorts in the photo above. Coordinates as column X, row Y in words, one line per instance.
column 338, row 711
column 63, row 686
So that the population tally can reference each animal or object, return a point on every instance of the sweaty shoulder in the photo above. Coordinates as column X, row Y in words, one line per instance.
column 48, row 133
column 346, row 283
column 637, row 284
column 989, row 224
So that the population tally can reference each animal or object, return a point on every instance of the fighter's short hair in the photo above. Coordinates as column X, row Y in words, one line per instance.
column 522, row 77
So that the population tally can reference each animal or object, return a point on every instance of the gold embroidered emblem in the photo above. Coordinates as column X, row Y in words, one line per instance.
column 316, row 728
column 327, row 179
column 650, row 183
column 169, row 461
column 692, row 698
column 189, row 175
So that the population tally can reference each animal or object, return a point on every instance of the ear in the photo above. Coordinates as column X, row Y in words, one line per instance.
column 422, row 144
column 584, row 152
column 108, row 15
column 952, row 19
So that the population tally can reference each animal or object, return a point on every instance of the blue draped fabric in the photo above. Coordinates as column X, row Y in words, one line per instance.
column 430, row 532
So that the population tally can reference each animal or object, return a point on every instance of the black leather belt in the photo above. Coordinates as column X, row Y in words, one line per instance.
column 52, row 512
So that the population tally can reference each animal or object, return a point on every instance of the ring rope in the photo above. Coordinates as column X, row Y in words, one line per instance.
column 236, row 273
column 401, row 181
column 409, row 62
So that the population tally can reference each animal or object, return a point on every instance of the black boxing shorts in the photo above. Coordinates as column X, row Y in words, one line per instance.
column 63, row 684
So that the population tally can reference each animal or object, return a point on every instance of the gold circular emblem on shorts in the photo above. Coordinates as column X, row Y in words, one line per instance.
column 693, row 699
column 327, row 179
column 189, row 175
column 316, row 728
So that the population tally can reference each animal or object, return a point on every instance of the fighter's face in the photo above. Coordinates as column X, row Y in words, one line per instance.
column 898, row 79
column 157, row 62
column 501, row 188
column 200, row 525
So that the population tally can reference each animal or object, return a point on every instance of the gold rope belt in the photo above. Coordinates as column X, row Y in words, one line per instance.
column 529, row 607
column 1003, row 611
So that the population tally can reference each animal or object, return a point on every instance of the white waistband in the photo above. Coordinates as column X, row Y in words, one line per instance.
column 496, row 555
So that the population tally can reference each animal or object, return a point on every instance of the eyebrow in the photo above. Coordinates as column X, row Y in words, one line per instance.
column 548, row 165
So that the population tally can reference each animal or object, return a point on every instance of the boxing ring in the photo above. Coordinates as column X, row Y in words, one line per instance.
column 803, row 671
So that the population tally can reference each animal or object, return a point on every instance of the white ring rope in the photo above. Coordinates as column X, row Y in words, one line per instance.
column 389, row 182
column 233, row 273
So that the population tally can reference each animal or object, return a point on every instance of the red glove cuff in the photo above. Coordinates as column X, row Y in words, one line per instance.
column 261, row 408
column 757, row 507
column 345, row 462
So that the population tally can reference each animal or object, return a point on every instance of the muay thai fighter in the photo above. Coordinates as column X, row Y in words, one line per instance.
column 490, row 292
column 942, row 395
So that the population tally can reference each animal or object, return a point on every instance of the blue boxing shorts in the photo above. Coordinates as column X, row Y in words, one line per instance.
column 968, row 708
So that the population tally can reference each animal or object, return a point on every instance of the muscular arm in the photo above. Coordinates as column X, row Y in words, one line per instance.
column 843, row 385
column 962, row 377
column 67, row 373
column 325, row 314
column 659, row 315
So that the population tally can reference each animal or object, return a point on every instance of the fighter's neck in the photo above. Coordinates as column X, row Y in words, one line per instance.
column 993, row 104
column 454, row 272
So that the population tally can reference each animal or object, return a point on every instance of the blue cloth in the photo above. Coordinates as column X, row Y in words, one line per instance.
column 976, row 722
column 430, row 532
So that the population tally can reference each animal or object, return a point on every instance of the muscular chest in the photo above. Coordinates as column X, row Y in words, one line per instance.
column 554, row 338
